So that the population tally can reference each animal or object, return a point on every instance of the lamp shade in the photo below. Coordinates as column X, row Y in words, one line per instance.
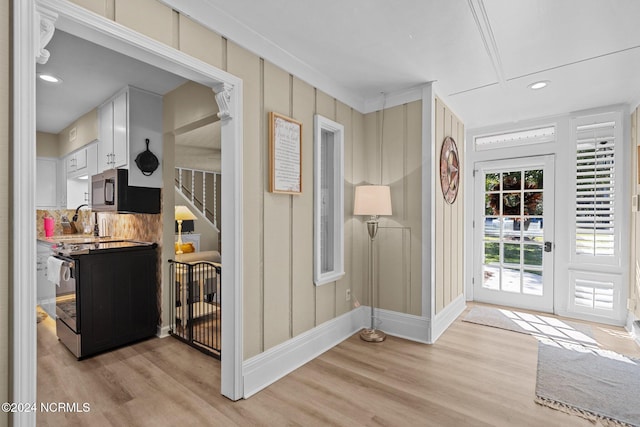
column 183, row 213
column 372, row 200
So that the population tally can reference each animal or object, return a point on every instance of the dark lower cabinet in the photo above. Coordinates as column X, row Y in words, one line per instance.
column 118, row 301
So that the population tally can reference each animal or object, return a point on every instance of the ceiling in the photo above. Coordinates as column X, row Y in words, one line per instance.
column 90, row 75
column 481, row 54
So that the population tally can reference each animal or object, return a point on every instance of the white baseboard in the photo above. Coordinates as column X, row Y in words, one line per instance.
column 266, row 368
column 633, row 327
column 446, row 317
column 408, row 326
column 163, row 331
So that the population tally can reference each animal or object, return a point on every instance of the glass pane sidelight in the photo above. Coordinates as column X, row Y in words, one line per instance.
column 328, row 201
column 513, row 231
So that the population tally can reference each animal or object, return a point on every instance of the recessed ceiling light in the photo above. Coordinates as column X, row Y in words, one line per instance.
column 49, row 78
column 539, row 85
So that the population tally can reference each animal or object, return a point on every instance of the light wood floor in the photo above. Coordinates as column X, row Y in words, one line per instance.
column 473, row 376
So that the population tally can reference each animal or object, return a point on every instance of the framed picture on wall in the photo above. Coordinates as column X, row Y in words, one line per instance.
column 285, row 154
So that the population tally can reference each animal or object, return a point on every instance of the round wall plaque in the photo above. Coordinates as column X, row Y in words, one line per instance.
column 449, row 170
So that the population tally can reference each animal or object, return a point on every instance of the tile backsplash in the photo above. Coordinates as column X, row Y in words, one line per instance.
column 142, row 227
column 57, row 214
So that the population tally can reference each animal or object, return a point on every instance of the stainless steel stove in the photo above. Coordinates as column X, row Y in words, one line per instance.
column 90, row 268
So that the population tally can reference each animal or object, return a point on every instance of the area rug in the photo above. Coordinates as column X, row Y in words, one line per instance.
column 541, row 327
column 599, row 385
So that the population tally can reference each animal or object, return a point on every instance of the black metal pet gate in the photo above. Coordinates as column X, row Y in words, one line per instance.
column 196, row 305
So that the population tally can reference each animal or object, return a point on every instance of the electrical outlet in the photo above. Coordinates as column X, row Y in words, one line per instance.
column 348, row 295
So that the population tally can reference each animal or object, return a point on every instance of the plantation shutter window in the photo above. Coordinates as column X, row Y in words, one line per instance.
column 595, row 198
column 596, row 270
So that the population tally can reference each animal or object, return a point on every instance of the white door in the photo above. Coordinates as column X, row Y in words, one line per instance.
column 513, row 232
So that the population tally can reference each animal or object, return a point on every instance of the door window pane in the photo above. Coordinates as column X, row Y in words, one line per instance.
column 511, row 204
column 492, row 204
column 534, row 179
column 512, row 181
column 533, row 255
column 491, row 228
column 511, row 279
column 532, row 282
column 512, row 253
column 513, row 231
column 491, row 253
column 492, row 182
column 533, row 203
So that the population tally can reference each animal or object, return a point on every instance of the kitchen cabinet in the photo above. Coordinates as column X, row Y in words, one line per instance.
column 118, row 298
column 46, row 183
column 83, row 162
column 45, row 292
column 113, row 146
column 76, row 163
column 125, row 122
column 78, row 183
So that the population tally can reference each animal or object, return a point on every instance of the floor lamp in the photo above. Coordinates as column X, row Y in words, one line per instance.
column 372, row 201
column 182, row 213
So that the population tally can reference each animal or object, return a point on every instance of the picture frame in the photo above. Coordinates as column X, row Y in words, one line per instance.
column 285, row 154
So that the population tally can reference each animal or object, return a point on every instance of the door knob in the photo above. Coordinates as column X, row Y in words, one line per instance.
column 548, row 246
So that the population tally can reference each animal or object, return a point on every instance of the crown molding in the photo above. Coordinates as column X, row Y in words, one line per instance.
column 395, row 98
column 229, row 27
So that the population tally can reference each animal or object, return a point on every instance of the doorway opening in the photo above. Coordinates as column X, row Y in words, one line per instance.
column 79, row 21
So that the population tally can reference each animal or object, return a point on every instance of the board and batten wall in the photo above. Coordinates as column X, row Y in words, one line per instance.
column 393, row 139
column 634, row 265
column 449, row 218
column 6, row 258
column 280, row 294
column 280, row 299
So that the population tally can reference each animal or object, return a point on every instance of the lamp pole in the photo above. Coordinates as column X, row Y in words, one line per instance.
column 372, row 334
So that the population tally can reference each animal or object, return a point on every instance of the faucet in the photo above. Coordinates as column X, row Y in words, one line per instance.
column 75, row 217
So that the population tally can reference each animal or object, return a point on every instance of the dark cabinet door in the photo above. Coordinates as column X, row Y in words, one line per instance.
column 118, row 298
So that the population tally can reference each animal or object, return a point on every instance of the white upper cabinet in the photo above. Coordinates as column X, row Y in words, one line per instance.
column 126, row 121
column 77, row 163
column 79, row 182
column 120, row 150
column 46, row 183
column 113, row 147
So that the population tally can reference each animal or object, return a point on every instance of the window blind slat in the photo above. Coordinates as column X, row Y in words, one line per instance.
column 595, row 195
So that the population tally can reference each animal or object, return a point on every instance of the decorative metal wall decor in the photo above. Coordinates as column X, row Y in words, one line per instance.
column 449, row 170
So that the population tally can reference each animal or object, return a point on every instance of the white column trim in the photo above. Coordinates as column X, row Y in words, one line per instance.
column 23, row 338
column 428, row 201
column 231, row 251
